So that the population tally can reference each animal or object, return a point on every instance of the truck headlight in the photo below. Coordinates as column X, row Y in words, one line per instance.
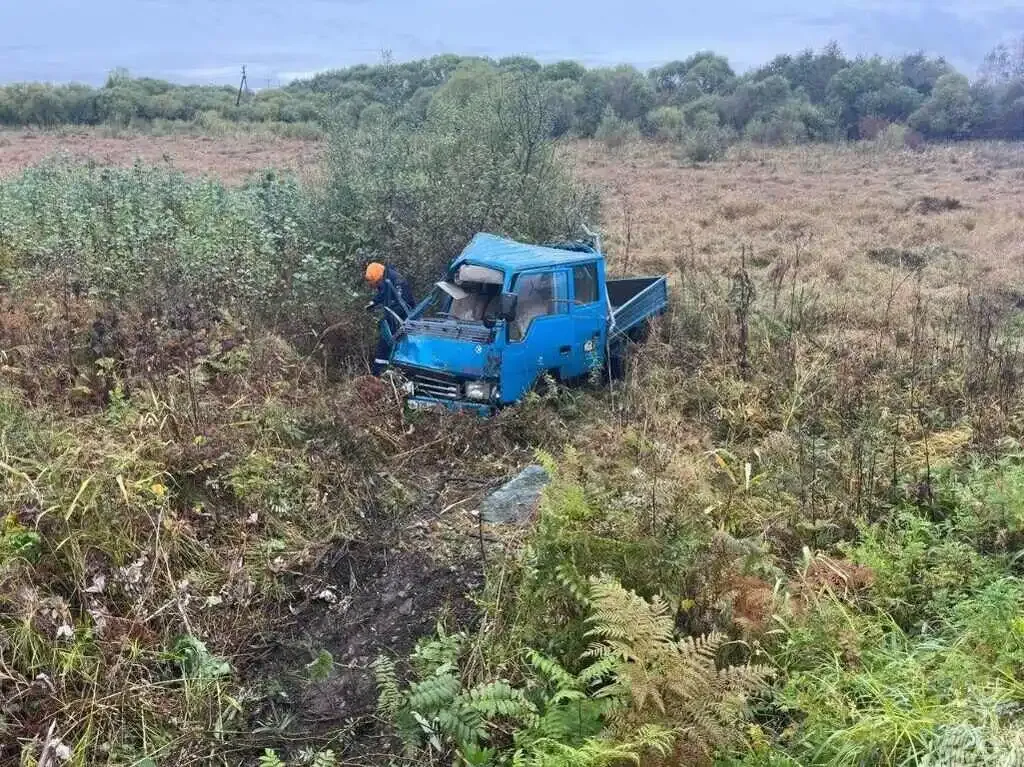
column 479, row 390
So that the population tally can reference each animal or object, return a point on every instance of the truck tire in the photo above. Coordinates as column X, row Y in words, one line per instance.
column 640, row 333
column 545, row 383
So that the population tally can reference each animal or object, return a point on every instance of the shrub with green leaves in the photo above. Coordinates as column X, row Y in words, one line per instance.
column 152, row 238
column 615, row 132
column 481, row 160
column 705, row 139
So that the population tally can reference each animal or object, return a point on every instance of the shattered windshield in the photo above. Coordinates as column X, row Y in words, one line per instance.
column 476, row 302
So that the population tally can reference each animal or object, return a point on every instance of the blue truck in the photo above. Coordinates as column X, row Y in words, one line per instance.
column 508, row 315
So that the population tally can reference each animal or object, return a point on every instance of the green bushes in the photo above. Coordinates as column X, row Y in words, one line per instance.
column 706, row 142
column 667, row 123
column 124, row 100
column 949, row 112
column 817, row 96
column 615, row 132
column 149, row 237
column 481, row 160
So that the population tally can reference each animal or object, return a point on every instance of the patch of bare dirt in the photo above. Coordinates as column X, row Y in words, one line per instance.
column 364, row 601
column 229, row 158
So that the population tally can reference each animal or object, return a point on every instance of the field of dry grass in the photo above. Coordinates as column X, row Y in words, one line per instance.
column 849, row 213
column 232, row 158
column 846, row 213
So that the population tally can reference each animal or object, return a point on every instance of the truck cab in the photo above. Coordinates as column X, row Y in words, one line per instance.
column 504, row 315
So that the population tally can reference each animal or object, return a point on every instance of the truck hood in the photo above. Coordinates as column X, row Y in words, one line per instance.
column 463, row 358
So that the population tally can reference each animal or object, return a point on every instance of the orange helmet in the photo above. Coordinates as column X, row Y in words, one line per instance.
column 374, row 273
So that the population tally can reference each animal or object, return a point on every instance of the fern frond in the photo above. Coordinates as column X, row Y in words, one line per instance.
column 433, row 694
column 567, row 696
column 625, row 617
column 462, row 724
column 437, row 653
column 971, row 745
column 269, row 758
column 570, row 722
column 655, row 738
column 325, row 758
column 501, row 699
column 596, row 752
column 600, row 670
column 389, row 697
column 552, row 671
column 477, row 756
column 569, row 578
column 675, row 683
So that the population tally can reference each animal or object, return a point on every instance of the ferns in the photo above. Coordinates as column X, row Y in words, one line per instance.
column 269, row 759
column 967, row 745
column 596, row 752
column 628, row 624
column 434, row 693
column 639, row 691
column 551, row 670
column 437, row 711
column 388, row 694
column 569, row 578
column 500, row 699
column 462, row 724
column 306, row 757
column 605, row 680
column 679, row 679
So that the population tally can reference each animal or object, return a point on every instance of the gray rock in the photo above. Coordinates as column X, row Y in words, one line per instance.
column 516, row 501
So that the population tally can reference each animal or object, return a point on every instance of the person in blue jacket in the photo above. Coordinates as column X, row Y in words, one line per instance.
column 394, row 293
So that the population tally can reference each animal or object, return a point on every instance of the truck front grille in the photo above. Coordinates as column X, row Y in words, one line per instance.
column 435, row 385
column 461, row 331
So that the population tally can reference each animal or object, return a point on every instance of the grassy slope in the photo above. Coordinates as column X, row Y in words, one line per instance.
column 281, row 491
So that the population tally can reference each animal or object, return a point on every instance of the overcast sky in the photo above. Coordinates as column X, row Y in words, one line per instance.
column 208, row 40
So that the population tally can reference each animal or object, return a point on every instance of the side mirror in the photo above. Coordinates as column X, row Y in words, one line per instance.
column 507, row 307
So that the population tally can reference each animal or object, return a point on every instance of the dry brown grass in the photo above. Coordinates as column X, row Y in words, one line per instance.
column 827, row 205
column 232, row 158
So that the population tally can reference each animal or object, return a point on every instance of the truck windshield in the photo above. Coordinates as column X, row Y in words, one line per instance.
column 481, row 302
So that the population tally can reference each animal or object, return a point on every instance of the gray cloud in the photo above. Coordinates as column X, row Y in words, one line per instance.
column 207, row 40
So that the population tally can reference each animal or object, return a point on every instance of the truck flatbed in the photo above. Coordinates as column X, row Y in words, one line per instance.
column 634, row 300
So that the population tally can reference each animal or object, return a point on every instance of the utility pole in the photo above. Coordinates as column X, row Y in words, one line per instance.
column 241, row 87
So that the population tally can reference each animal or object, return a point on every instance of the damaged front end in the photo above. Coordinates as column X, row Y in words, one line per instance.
column 448, row 353
column 447, row 368
column 432, row 390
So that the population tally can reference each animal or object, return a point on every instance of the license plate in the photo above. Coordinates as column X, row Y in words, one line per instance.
column 420, row 405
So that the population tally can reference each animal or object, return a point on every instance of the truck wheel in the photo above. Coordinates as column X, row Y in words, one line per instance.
column 545, row 384
column 640, row 333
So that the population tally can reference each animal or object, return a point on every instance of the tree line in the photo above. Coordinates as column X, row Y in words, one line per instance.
column 811, row 96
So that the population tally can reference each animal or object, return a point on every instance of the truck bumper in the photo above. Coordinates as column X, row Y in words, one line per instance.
column 454, row 405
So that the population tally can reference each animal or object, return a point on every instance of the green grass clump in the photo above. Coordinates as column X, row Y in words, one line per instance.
column 924, row 667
